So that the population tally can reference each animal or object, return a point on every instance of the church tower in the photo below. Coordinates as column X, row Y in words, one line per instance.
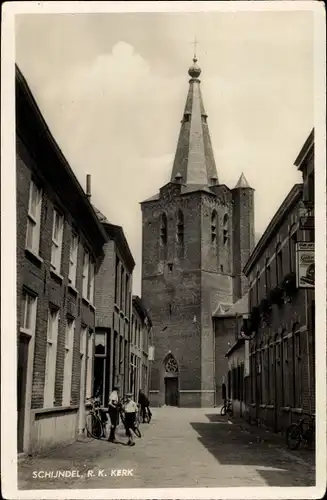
column 187, row 263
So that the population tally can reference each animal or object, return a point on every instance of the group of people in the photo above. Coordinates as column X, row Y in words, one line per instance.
column 130, row 409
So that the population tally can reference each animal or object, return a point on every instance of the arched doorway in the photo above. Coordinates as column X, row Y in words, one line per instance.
column 171, row 381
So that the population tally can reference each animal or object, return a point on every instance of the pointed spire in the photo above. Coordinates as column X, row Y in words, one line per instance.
column 194, row 160
column 242, row 182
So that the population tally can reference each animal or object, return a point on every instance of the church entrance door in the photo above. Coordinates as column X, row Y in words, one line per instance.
column 171, row 391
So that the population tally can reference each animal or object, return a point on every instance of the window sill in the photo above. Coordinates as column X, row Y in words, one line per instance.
column 55, row 409
column 26, row 332
column 56, row 275
column 72, row 289
column 116, row 307
column 253, row 405
column 263, row 406
column 31, row 254
column 86, row 301
column 270, row 407
column 297, row 410
column 287, row 409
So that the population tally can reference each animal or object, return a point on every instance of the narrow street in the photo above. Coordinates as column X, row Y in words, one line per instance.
column 180, row 448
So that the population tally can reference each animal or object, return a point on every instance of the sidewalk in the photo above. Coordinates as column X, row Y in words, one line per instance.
column 262, row 435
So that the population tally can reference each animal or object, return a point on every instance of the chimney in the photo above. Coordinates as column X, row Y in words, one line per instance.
column 88, row 186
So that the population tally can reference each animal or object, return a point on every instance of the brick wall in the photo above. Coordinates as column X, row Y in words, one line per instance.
column 182, row 290
column 36, row 276
column 286, row 382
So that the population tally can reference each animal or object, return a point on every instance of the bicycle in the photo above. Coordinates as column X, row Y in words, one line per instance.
column 135, row 429
column 227, row 409
column 147, row 415
column 297, row 433
column 96, row 420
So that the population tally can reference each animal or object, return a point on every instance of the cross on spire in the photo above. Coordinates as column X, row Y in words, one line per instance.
column 195, row 44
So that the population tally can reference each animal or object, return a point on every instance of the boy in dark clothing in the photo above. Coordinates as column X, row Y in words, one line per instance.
column 144, row 403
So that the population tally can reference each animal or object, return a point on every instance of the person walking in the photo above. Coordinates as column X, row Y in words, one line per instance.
column 130, row 409
column 143, row 401
column 113, row 413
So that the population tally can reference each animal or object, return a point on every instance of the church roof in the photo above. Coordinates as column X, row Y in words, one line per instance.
column 242, row 182
column 194, row 159
column 240, row 307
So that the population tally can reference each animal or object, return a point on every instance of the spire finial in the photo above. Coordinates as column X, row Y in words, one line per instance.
column 194, row 71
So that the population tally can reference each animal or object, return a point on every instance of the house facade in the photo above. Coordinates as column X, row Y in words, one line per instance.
column 140, row 336
column 113, row 299
column 282, row 382
column 59, row 247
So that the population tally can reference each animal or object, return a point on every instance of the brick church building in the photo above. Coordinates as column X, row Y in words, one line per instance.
column 197, row 236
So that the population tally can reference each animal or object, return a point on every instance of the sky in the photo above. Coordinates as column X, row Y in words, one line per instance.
column 112, row 88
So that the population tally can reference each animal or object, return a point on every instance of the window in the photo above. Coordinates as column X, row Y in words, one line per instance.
column 28, row 313
column 279, row 264
column 292, row 251
column 90, row 295
column 214, row 227
column 50, row 369
column 100, row 361
column 89, row 363
column 34, row 218
column 85, row 275
column 163, row 229
column 57, row 232
column 68, row 366
column 116, row 280
column 171, row 364
column 82, row 351
column 257, row 288
column 73, row 259
column 268, row 276
column 180, row 227
column 225, row 229
column 126, row 295
column 122, row 286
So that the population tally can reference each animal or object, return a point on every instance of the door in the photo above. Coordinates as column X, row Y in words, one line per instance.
column 171, row 391
column 22, row 359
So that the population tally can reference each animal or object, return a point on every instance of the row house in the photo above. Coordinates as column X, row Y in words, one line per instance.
column 59, row 246
column 140, row 337
column 113, row 299
column 271, row 374
column 279, row 384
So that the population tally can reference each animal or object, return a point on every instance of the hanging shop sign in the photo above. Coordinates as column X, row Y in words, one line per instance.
column 151, row 353
column 305, row 264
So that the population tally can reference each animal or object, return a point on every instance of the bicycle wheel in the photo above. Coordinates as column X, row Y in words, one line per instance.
column 93, row 425
column 137, row 431
column 293, row 436
column 223, row 411
column 230, row 411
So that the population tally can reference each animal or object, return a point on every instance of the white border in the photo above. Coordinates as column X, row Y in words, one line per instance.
column 8, row 247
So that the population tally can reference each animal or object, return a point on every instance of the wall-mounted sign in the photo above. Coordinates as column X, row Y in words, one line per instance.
column 305, row 264
column 151, row 353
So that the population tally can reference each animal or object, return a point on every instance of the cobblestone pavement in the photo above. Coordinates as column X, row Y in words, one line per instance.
column 180, row 448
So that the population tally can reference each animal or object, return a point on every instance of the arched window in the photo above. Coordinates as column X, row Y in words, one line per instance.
column 267, row 275
column 279, row 264
column 180, row 227
column 163, row 229
column 225, row 229
column 214, row 227
column 171, row 365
